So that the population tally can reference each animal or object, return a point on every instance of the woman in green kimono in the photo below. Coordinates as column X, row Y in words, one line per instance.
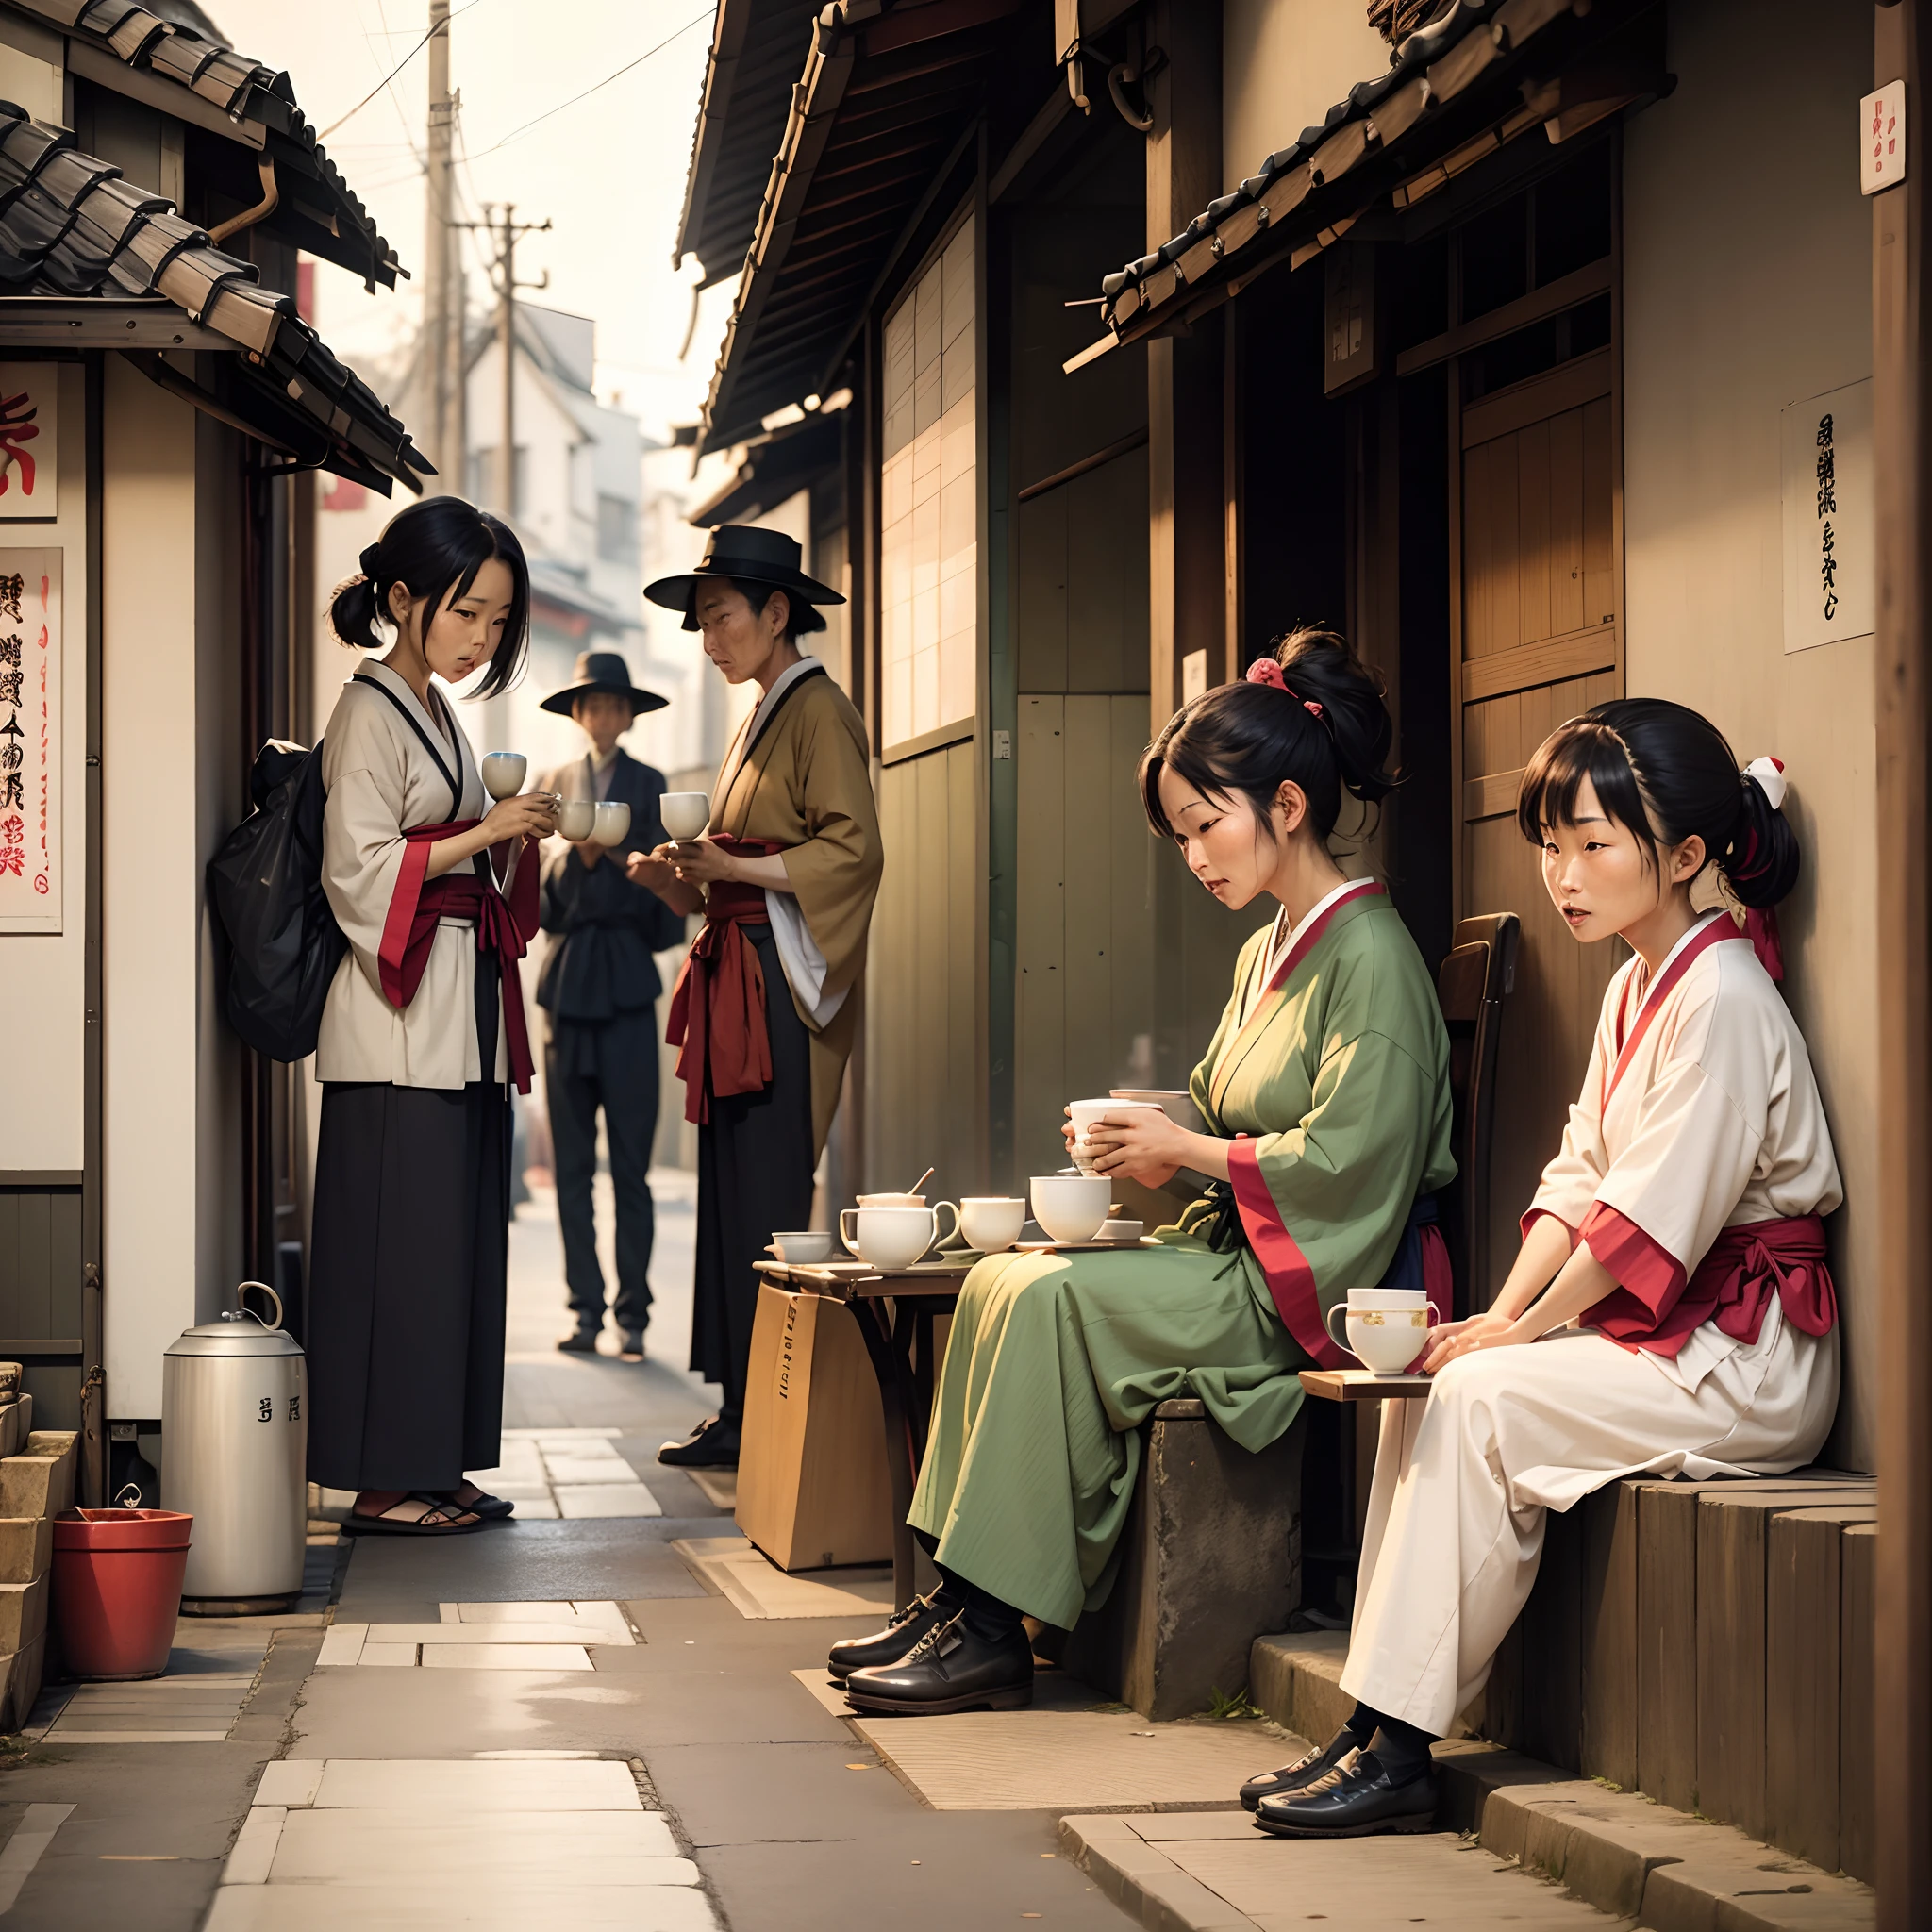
column 1325, row 1094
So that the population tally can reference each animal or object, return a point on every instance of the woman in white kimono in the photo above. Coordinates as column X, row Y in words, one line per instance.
column 423, row 1030
column 1673, row 1270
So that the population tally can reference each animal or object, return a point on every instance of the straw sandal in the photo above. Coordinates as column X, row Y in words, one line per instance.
column 439, row 1517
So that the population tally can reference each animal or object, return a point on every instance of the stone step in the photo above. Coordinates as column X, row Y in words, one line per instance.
column 1297, row 1679
column 1638, row 1861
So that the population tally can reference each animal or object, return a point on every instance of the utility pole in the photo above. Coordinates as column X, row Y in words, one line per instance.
column 504, row 236
column 439, row 248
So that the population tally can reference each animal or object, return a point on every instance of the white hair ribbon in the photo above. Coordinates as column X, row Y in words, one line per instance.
column 1770, row 774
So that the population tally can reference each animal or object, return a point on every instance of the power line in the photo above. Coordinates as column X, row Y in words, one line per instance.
column 343, row 119
column 619, row 75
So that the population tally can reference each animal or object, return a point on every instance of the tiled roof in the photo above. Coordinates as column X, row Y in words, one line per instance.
column 885, row 97
column 71, row 227
column 1455, row 92
column 318, row 211
column 758, row 51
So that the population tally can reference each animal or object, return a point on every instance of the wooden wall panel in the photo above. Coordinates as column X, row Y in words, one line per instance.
column 1538, row 539
column 1085, row 934
column 40, row 1262
column 924, row 1061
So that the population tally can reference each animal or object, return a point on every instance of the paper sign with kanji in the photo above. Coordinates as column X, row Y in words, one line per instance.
column 31, row 741
column 29, row 439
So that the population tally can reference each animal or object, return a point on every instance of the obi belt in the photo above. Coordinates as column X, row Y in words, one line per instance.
column 718, row 1006
column 1655, row 1308
column 504, row 927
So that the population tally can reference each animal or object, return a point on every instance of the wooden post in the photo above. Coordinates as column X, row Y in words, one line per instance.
column 1187, row 520
column 1902, row 433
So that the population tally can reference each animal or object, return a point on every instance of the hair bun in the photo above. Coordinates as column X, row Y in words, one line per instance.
column 370, row 562
column 1770, row 774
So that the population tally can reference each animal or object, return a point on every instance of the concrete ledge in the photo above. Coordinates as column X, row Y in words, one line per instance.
column 1297, row 1681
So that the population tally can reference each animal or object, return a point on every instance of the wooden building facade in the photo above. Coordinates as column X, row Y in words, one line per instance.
column 1507, row 346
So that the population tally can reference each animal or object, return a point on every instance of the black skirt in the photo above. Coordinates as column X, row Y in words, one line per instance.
column 754, row 1176
column 409, row 1259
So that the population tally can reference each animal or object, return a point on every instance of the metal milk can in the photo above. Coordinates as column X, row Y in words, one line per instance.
column 234, row 1456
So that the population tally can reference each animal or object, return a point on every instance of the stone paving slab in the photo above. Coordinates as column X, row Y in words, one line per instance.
column 1223, row 1875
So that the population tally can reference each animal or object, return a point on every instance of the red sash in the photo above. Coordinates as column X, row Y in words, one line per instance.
column 1657, row 1311
column 502, row 928
column 1719, row 929
column 718, row 1005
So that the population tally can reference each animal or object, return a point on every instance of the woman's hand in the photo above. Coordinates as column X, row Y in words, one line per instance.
column 1454, row 1339
column 697, row 861
column 1144, row 1144
column 530, row 815
column 647, row 869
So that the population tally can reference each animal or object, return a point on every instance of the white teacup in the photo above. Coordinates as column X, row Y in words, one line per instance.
column 612, row 821
column 1385, row 1327
column 892, row 1238
column 892, row 1200
column 685, row 815
column 576, row 818
column 991, row 1223
column 802, row 1248
column 1086, row 1112
column 503, row 772
column 1071, row 1206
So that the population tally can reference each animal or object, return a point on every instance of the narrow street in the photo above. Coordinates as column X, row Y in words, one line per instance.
column 562, row 1722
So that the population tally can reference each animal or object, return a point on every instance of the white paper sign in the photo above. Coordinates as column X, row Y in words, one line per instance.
column 29, row 441
column 31, row 741
column 1830, row 558
column 1882, row 163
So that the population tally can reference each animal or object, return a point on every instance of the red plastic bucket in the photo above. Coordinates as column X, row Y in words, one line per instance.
column 117, row 1589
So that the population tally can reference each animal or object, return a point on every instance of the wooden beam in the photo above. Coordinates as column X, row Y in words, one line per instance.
column 1566, row 292
column 1901, row 1285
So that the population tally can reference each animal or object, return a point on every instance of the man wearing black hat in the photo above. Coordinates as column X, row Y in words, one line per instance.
column 599, row 986
column 768, row 1005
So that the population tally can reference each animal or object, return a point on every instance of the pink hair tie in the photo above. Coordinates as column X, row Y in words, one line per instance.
column 1266, row 671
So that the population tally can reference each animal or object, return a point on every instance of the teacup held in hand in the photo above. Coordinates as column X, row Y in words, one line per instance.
column 576, row 818
column 503, row 773
column 612, row 821
column 685, row 815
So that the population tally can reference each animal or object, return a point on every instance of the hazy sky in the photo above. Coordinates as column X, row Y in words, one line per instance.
column 608, row 171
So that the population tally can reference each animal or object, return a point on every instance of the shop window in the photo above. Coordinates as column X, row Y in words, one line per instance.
column 1571, row 215
column 930, row 502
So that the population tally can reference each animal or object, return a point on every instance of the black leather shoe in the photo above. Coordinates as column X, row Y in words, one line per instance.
column 630, row 1344
column 948, row 1669
column 890, row 1645
column 1357, row 1803
column 1304, row 1772
column 713, row 1444
column 584, row 1341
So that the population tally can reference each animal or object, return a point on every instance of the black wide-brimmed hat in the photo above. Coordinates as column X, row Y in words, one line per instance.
column 743, row 553
column 604, row 671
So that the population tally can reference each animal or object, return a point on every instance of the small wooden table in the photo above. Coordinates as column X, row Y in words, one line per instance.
column 1364, row 1385
column 900, row 1349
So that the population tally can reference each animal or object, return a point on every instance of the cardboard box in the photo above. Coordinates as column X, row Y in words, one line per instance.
column 39, row 1481
column 26, row 1547
column 812, row 1487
